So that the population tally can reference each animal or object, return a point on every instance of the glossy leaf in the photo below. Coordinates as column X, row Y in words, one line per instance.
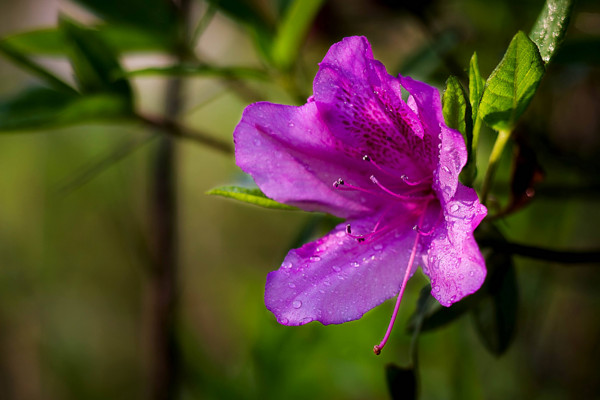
column 25, row 62
column 476, row 85
column 402, row 382
column 495, row 315
column 52, row 41
column 513, row 83
column 293, row 30
column 550, row 28
column 249, row 195
column 42, row 108
column 94, row 62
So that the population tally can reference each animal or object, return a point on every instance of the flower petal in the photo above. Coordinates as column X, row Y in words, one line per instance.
column 454, row 263
column 362, row 105
column 290, row 152
column 336, row 279
column 451, row 151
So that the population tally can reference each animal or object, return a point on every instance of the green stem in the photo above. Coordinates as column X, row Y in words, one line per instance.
column 494, row 159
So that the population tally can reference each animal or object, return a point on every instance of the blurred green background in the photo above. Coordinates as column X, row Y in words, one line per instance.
column 76, row 227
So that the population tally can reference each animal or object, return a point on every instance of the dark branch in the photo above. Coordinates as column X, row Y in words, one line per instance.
column 540, row 253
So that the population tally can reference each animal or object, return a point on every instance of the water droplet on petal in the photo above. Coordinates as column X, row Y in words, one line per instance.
column 354, row 264
column 315, row 258
column 471, row 273
column 287, row 265
column 336, row 268
column 297, row 304
column 291, row 124
column 291, row 285
column 377, row 246
column 437, row 288
column 283, row 321
column 306, row 320
column 454, row 208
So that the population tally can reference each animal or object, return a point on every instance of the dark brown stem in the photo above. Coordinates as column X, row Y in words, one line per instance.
column 165, row 369
column 540, row 253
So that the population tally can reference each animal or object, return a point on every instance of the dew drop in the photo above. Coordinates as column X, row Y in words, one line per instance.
column 283, row 321
column 437, row 289
column 291, row 124
column 461, row 276
column 354, row 264
column 257, row 142
column 471, row 273
column 315, row 258
column 287, row 265
column 377, row 246
column 291, row 285
column 306, row 320
column 336, row 268
column 454, row 208
column 296, row 304
column 445, row 168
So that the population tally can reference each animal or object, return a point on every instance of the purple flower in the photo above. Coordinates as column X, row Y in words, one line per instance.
column 357, row 150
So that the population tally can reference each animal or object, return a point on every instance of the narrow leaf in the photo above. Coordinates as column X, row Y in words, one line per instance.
column 52, row 41
column 292, row 31
column 94, row 62
column 457, row 114
column 551, row 26
column 248, row 195
column 203, row 70
column 513, row 83
column 476, row 85
column 22, row 60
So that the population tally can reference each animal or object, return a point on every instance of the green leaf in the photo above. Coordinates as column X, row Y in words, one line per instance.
column 25, row 62
column 402, row 382
column 42, row 108
column 457, row 114
column 293, row 30
column 95, row 63
column 248, row 195
column 158, row 16
column 476, row 85
column 551, row 26
column 52, row 41
column 495, row 315
column 513, row 83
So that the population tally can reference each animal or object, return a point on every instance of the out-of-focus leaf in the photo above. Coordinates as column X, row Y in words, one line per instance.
column 52, row 41
column 158, row 16
column 22, row 60
column 41, row 108
column 248, row 195
column 495, row 315
column 551, row 26
column 457, row 114
column 203, row 70
column 292, row 31
column 95, row 63
column 438, row 316
column 316, row 225
column 476, row 85
column 513, row 83
column 427, row 59
column 402, row 382
column 243, row 12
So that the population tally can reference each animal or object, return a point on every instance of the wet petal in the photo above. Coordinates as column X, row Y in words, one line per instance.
column 336, row 279
column 454, row 263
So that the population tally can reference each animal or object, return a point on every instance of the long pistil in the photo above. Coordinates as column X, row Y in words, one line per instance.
column 377, row 348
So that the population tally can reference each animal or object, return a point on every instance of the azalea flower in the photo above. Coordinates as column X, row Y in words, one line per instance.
column 390, row 167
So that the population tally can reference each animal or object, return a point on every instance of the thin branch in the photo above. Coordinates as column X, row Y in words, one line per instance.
column 172, row 128
column 540, row 253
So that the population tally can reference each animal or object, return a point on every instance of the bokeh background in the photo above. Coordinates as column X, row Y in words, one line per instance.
column 76, row 225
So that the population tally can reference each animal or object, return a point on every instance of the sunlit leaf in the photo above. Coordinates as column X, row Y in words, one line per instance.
column 457, row 114
column 249, row 195
column 513, row 83
column 551, row 26
column 292, row 31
